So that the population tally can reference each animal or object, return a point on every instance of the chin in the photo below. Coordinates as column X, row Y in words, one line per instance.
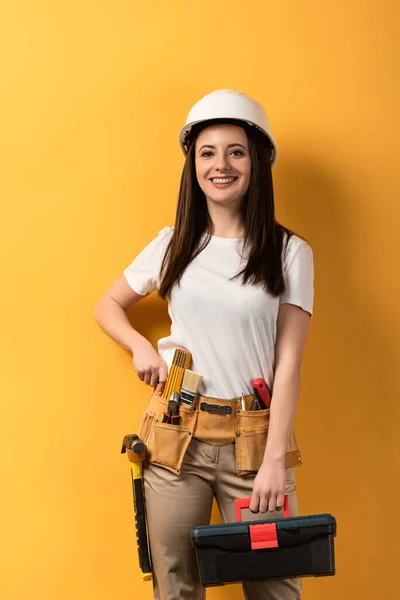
column 222, row 197
column 224, row 200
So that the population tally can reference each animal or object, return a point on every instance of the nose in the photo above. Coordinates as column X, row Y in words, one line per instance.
column 222, row 162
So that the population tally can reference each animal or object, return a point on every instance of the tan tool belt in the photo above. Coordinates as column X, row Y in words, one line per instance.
column 213, row 421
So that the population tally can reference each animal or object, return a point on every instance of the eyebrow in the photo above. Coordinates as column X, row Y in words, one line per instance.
column 229, row 146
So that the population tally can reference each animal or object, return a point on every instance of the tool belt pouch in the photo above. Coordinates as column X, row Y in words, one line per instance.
column 251, row 439
column 166, row 443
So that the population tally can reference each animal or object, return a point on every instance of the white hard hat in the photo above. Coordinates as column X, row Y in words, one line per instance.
column 228, row 104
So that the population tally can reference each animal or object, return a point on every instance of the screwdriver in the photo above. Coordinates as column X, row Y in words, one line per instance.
column 262, row 393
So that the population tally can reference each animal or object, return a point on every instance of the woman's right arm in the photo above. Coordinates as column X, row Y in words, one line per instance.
column 111, row 315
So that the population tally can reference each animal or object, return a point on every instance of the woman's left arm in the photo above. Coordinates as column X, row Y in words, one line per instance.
column 292, row 330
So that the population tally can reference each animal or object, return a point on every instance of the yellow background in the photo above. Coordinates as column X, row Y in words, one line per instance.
column 92, row 95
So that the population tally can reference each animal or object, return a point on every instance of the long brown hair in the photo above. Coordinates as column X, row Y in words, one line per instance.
column 263, row 235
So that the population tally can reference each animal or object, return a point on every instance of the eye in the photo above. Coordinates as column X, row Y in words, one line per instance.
column 206, row 154
column 237, row 152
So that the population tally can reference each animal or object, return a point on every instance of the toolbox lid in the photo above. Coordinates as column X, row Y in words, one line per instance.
column 323, row 523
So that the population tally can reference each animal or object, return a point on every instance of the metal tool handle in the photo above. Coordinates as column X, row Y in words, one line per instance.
column 245, row 503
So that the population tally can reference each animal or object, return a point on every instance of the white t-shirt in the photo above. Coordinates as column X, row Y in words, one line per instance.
column 229, row 328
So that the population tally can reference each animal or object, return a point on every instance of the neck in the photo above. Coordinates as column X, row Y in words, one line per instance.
column 227, row 220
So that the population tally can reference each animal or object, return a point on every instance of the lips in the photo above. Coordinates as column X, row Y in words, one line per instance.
column 223, row 182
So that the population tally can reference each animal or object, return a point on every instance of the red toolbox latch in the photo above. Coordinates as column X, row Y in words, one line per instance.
column 263, row 535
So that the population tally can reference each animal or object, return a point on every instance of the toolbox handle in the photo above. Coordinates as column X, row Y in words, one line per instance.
column 245, row 503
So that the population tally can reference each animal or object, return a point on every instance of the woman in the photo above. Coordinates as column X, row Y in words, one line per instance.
column 240, row 293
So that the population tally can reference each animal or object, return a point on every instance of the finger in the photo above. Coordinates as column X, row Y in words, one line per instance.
column 280, row 501
column 272, row 503
column 140, row 374
column 254, row 503
column 147, row 377
column 162, row 378
column 264, row 503
column 154, row 378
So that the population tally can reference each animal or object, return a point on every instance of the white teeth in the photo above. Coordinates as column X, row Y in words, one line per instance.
column 227, row 180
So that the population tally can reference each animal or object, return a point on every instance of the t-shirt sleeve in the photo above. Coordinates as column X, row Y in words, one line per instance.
column 299, row 276
column 143, row 273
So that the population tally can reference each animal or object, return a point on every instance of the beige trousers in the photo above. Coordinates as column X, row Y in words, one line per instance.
column 178, row 503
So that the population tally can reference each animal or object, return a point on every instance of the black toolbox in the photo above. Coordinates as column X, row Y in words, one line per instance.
column 269, row 549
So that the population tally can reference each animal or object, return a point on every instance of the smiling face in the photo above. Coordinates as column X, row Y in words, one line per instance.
column 222, row 163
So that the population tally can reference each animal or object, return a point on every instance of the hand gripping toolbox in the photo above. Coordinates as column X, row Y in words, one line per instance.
column 270, row 549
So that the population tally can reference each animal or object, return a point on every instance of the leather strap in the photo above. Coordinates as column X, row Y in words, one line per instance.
column 216, row 409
